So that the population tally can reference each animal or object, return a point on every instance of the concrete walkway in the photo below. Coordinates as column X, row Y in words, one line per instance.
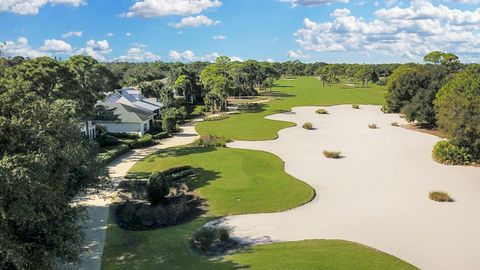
column 98, row 204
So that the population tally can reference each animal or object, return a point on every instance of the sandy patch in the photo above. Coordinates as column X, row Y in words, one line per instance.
column 377, row 195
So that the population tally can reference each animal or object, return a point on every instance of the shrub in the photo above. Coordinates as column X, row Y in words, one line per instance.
column 373, row 126
column 249, row 107
column 158, row 188
column 446, row 152
column 439, row 196
column 161, row 135
column 216, row 117
column 111, row 155
column 332, row 154
column 308, row 126
column 356, row 106
column 321, row 111
column 395, row 124
column 107, row 140
column 131, row 136
column 212, row 240
column 144, row 141
column 210, row 141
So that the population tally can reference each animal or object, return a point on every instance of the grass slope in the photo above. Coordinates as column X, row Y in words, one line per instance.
column 304, row 91
column 234, row 181
column 317, row 254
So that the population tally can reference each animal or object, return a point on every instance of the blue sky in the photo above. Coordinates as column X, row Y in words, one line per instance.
column 187, row 30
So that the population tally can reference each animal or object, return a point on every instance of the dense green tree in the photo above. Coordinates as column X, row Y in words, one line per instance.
column 152, row 88
column 458, row 109
column 434, row 57
column 158, row 188
column 185, row 85
column 45, row 160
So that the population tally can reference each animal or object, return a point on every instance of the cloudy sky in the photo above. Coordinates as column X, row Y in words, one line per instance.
column 366, row 31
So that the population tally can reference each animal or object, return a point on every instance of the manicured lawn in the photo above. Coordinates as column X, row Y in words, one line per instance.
column 234, row 181
column 317, row 254
column 303, row 91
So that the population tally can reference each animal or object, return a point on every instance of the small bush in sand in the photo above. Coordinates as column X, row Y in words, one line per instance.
column 332, row 154
column 356, row 106
column 308, row 126
column 395, row 124
column 439, row 196
column 322, row 111
column 373, row 126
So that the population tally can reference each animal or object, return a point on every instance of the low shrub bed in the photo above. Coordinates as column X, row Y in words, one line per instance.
column 332, row 154
column 212, row 241
column 112, row 154
column 140, row 216
column 321, row 111
column 210, row 141
column 439, row 196
column 395, row 124
column 161, row 201
column 249, row 107
column 160, row 135
column 131, row 136
column 356, row 106
column 448, row 153
column 373, row 126
column 216, row 117
column 107, row 140
column 144, row 141
column 308, row 126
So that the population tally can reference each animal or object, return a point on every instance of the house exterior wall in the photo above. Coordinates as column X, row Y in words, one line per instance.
column 139, row 128
column 89, row 128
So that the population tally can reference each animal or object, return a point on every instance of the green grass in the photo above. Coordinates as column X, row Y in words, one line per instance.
column 234, row 181
column 317, row 254
column 304, row 91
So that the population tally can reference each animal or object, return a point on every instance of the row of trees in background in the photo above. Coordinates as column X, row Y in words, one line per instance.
column 444, row 94
column 213, row 83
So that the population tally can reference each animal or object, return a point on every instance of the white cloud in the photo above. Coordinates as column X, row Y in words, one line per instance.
column 128, row 34
column 96, row 49
column 182, row 56
column 56, row 46
column 31, row 7
column 157, row 8
column 110, row 34
column 408, row 32
column 313, row 2
column 72, row 34
column 194, row 21
column 20, row 47
column 220, row 37
column 189, row 56
column 138, row 54
column 298, row 54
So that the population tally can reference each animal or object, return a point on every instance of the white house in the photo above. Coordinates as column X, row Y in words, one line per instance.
column 130, row 119
column 134, row 98
column 135, row 112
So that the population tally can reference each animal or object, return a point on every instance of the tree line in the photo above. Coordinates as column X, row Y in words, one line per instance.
column 443, row 94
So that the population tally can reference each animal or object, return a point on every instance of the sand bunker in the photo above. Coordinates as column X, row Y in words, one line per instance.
column 376, row 195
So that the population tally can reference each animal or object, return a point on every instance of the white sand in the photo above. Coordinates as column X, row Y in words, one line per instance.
column 377, row 195
column 98, row 205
